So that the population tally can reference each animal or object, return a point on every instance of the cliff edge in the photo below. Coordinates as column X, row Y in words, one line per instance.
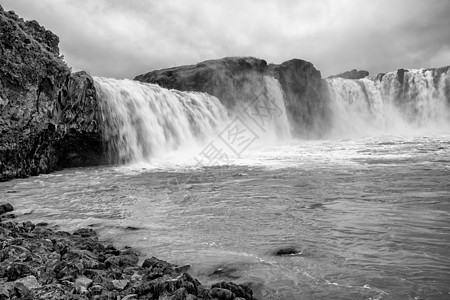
column 48, row 116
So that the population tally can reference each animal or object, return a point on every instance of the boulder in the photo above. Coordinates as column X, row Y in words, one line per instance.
column 5, row 207
column 239, row 290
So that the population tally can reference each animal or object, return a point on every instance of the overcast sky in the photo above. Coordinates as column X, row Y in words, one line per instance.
column 124, row 38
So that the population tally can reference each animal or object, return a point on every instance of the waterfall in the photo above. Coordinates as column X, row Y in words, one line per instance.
column 390, row 104
column 265, row 112
column 142, row 121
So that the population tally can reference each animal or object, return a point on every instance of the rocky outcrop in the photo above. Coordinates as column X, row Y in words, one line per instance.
column 353, row 74
column 231, row 79
column 238, row 80
column 306, row 96
column 48, row 116
column 39, row 263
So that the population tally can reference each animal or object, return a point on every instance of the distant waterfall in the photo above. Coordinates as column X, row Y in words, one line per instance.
column 142, row 120
column 385, row 104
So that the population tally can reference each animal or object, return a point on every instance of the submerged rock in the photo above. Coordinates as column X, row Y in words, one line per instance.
column 287, row 251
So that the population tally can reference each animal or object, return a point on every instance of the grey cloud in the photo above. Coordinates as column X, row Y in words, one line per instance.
column 117, row 38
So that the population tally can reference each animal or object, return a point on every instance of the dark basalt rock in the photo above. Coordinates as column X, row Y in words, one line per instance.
column 292, row 251
column 39, row 263
column 231, row 79
column 353, row 74
column 306, row 96
column 5, row 207
column 401, row 75
column 48, row 116
column 238, row 81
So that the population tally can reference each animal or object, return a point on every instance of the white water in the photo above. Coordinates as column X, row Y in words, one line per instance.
column 147, row 123
column 370, row 106
column 144, row 122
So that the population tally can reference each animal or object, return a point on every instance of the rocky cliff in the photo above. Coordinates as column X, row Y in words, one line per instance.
column 237, row 80
column 306, row 96
column 48, row 116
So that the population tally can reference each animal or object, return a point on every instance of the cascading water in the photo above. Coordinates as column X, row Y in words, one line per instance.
column 266, row 114
column 386, row 105
column 144, row 121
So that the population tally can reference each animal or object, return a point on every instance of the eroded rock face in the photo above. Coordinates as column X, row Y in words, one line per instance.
column 48, row 117
column 306, row 96
column 231, row 79
column 237, row 80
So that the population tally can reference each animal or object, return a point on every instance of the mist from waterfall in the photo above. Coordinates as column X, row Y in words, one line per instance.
column 384, row 105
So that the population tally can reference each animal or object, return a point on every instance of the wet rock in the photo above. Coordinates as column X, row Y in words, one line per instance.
column 7, row 216
column 17, row 270
column 83, row 281
column 154, row 262
column 86, row 258
column 96, row 289
column 182, row 269
column 44, row 264
column 120, row 284
column 6, row 290
column 85, row 232
column 287, row 251
column 25, row 285
column 122, row 261
column 5, row 207
column 239, row 290
column 220, row 294
column 51, row 291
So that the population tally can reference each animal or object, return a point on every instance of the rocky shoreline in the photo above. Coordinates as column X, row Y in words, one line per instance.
column 40, row 263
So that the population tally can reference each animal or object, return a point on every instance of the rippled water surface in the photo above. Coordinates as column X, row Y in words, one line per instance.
column 371, row 217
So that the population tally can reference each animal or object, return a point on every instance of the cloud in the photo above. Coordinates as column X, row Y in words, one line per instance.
column 125, row 38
